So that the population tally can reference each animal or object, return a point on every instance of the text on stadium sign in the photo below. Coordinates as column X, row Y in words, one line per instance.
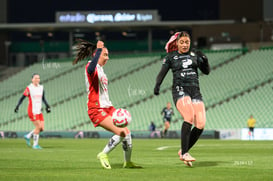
column 107, row 17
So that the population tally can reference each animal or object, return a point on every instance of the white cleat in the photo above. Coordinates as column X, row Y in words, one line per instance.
column 187, row 157
column 188, row 163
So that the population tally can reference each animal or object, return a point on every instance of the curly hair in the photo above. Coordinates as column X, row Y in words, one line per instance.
column 83, row 49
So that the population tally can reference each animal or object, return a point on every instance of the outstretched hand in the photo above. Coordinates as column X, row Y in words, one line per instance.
column 100, row 44
column 156, row 90
column 199, row 53
column 16, row 110
column 48, row 110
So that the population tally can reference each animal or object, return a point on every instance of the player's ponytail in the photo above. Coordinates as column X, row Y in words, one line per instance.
column 83, row 49
column 171, row 44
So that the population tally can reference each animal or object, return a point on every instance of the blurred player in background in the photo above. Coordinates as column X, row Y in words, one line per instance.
column 100, row 108
column 2, row 134
column 36, row 95
column 153, row 130
column 167, row 114
column 185, row 90
column 251, row 125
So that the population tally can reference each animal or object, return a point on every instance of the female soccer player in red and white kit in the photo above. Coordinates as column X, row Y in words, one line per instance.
column 100, row 108
column 36, row 95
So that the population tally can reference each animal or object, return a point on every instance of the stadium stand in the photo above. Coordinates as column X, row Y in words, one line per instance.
column 231, row 92
column 63, row 83
column 234, row 113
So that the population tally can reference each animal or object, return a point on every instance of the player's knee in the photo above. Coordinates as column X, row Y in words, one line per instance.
column 189, row 118
column 200, row 124
column 40, row 128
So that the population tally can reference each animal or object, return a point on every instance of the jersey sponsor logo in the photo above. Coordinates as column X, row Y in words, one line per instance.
column 168, row 112
column 37, row 96
column 186, row 63
column 104, row 83
column 181, row 56
column 192, row 54
column 104, row 80
column 183, row 74
column 191, row 73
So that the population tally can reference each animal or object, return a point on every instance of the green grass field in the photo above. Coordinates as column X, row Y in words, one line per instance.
column 71, row 159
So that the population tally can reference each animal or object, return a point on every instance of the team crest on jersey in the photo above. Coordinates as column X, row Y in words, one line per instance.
column 175, row 57
column 103, row 113
column 192, row 54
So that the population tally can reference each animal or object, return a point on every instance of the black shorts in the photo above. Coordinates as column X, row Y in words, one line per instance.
column 251, row 129
column 192, row 91
column 166, row 119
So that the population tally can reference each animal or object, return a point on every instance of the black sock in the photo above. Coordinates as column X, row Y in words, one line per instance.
column 195, row 134
column 165, row 132
column 185, row 136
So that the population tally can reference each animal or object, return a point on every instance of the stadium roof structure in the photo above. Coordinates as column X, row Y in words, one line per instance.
column 105, row 26
column 122, row 26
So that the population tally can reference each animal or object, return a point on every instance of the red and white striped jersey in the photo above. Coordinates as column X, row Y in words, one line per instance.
column 97, row 88
column 34, row 94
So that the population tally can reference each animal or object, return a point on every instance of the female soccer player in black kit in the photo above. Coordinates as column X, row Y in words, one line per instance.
column 167, row 113
column 184, row 64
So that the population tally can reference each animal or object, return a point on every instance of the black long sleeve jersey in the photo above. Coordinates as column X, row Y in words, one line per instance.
column 167, row 113
column 184, row 68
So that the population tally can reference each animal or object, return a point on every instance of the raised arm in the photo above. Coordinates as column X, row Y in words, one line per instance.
column 203, row 62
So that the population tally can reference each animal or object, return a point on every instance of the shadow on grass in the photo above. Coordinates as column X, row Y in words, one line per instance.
column 52, row 147
column 206, row 163
column 118, row 165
